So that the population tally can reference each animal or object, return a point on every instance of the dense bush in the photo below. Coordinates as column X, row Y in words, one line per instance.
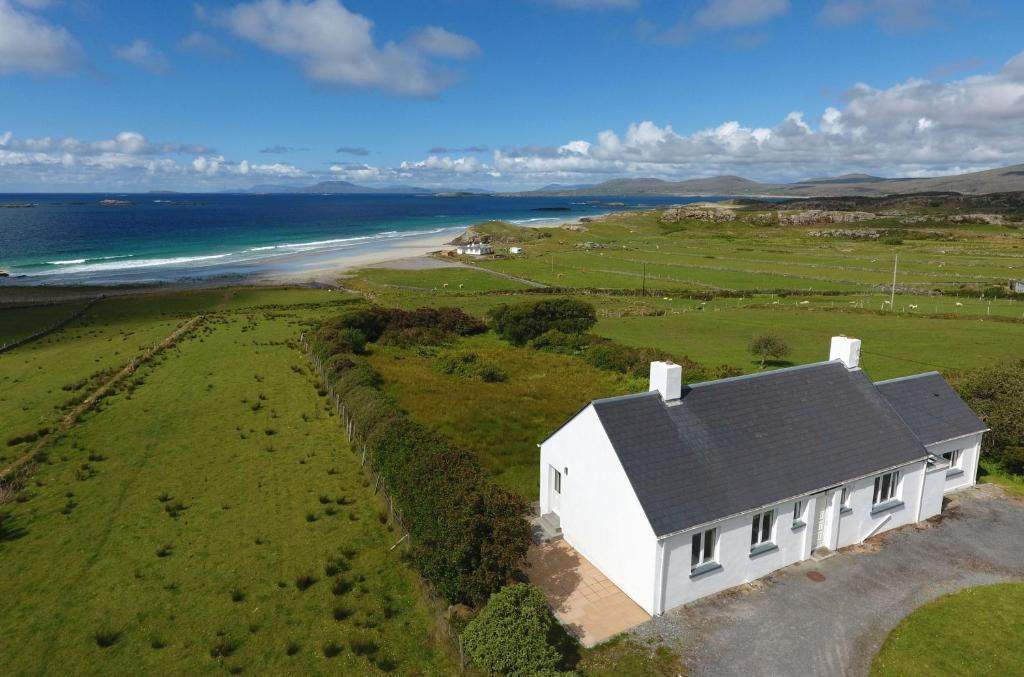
column 522, row 322
column 1013, row 460
column 555, row 341
column 515, row 634
column 470, row 365
column 996, row 394
column 423, row 326
column 467, row 535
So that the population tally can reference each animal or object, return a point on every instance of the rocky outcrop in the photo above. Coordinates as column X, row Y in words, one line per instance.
column 859, row 234
column 810, row 216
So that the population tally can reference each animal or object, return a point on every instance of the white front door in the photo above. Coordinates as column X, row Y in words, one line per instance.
column 821, row 521
column 554, row 489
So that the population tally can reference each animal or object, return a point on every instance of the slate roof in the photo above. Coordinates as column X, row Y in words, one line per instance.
column 740, row 443
column 931, row 407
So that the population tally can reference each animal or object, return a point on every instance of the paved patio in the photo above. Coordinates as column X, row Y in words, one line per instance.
column 590, row 606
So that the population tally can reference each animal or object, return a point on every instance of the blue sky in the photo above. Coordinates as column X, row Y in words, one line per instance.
column 501, row 94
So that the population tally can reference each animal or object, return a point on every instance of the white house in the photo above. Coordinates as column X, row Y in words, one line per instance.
column 515, row 250
column 684, row 491
column 474, row 249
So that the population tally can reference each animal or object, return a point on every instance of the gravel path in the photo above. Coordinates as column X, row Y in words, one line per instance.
column 788, row 624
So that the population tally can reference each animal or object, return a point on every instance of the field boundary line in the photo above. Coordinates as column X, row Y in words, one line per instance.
column 52, row 328
column 72, row 417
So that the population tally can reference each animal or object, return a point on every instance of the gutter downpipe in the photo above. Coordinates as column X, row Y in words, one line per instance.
column 659, row 575
column 920, row 490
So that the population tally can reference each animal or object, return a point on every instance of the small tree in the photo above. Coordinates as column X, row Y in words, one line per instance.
column 769, row 345
column 515, row 634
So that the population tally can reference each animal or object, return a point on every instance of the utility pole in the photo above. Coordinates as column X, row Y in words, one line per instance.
column 643, row 283
column 892, row 292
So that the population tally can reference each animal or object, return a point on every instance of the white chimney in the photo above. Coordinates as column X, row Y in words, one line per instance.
column 667, row 378
column 845, row 349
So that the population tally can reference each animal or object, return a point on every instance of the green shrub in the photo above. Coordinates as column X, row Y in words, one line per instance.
column 996, row 394
column 467, row 536
column 515, row 634
column 555, row 341
column 470, row 365
column 521, row 322
column 1013, row 460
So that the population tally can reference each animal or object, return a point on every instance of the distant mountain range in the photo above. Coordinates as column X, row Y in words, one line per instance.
column 1001, row 180
column 345, row 187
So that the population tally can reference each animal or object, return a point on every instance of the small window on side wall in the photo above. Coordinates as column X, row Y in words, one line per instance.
column 886, row 487
column 703, row 548
column 954, row 458
column 761, row 528
column 798, row 511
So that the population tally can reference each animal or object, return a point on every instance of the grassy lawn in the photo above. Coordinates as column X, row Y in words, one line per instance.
column 993, row 474
column 973, row 632
column 501, row 422
column 176, row 524
column 452, row 280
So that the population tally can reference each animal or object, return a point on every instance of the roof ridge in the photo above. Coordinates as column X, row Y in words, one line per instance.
column 907, row 378
column 627, row 396
column 742, row 377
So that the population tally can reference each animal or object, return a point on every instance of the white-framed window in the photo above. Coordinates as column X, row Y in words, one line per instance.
column 761, row 528
column 844, row 499
column 798, row 511
column 558, row 482
column 703, row 548
column 886, row 487
column 954, row 458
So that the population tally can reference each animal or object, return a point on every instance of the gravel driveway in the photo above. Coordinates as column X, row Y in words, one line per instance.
column 789, row 624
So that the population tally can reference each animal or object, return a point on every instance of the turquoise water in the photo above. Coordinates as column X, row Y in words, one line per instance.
column 75, row 239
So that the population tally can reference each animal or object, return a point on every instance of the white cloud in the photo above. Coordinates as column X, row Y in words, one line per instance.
column 127, row 160
column 29, row 44
column 734, row 13
column 914, row 128
column 140, row 53
column 336, row 47
column 439, row 42
column 200, row 43
column 889, row 15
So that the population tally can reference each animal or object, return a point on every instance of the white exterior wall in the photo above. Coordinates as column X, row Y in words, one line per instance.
column 934, row 490
column 841, row 528
column 599, row 512
column 860, row 523
column 733, row 554
column 970, row 447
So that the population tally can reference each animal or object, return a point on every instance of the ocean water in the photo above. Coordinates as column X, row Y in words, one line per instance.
column 73, row 239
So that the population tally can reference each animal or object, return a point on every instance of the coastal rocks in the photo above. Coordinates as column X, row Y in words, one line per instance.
column 4, row 273
column 699, row 211
column 16, row 205
column 859, row 234
column 115, row 203
column 575, row 227
column 811, row 216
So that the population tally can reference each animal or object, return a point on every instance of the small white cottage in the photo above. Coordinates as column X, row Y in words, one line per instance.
column 684, row 491
column 474, row 249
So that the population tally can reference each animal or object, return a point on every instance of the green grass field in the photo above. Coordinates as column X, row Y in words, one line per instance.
column 973, row 632
column 171, row 529
column 176, row 524
column 501, row 422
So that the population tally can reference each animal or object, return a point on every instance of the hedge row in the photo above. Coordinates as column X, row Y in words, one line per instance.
column 468, row 536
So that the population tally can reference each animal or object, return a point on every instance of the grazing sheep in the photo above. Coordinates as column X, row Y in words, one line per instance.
column 445, row 285
column 959, row 305
column 912, row 306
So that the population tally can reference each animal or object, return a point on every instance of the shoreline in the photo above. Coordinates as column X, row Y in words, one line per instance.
column 318, row 269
